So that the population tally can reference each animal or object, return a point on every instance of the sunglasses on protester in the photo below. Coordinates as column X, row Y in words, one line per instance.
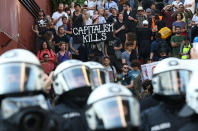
column 125, row 67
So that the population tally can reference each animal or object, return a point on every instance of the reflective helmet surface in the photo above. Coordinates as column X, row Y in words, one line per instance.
column 98, row 74
column 192, row 89
column 71, row 75
column 112, row 106
column 171, row 77
column 20, row 72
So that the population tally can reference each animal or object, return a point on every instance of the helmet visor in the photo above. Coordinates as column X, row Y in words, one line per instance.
column 115, row 112
column 98, row 77
column 77, row 77
column 173, row 82
column 19, row 77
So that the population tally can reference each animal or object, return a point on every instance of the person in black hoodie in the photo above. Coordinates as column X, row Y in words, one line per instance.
column 144, row 37
column 170, row 78
column 130, row 19
column 113, row 18
column 147, row 101
column 158, row 46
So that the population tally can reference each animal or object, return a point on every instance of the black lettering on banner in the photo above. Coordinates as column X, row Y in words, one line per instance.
column 92, row 33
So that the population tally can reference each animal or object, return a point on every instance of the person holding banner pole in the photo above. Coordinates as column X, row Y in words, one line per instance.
column 78, row 48
column 106, row 14
column 113, row 17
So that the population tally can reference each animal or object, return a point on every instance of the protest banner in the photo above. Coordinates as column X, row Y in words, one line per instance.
column 147, row 70
column 92, row 33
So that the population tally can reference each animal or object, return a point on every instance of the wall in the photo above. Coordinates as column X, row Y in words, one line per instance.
column 16, row 24
column 45, row 5
column 9, row 17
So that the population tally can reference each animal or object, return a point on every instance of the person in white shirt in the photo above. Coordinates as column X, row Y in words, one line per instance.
column 72, row 8
column 87, row 20
column 194, row 25
column 195, row 19
column 110, row 68
column 190, row 4
column 91, row 6
column 100, row 4
column 101, row 16
column 176, row 4
column 57, row 16
column 110, row 4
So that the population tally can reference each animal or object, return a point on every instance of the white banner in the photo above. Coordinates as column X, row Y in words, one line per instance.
column 147, row 70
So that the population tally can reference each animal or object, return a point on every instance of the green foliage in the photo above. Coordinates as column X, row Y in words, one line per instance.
column 56, row 2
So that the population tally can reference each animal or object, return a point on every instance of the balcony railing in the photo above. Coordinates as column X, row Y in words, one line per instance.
column 31, row 6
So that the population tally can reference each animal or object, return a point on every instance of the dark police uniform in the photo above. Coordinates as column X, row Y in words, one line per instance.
column 74, row 115
column 162, row 118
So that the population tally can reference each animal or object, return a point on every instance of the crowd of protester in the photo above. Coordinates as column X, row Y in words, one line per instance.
column 138, row 36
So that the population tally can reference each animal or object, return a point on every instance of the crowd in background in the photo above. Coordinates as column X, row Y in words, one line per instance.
column 136, row 38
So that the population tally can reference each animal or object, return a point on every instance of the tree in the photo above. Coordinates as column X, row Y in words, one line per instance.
column 56, row 2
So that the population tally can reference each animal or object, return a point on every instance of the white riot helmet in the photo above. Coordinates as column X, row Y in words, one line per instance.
column 20, row 72
column 192, row 93
column 98, row 74
column 112, row 106
column 171, row 77
column 191, row 106
column 71, row 75
column 192, row 89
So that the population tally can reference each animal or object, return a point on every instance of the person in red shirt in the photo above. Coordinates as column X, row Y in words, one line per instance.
column 45, row 49
column 167, row 13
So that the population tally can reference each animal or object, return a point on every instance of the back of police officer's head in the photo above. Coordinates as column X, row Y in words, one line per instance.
column 112, row 107
column 72, row 82
column 170, row 79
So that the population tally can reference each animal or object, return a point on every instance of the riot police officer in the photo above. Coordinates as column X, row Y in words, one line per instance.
column 99, row 75
column 23, row 103
column 170, row 78
column 191, row 107
column 112, row 107
column 72, row 86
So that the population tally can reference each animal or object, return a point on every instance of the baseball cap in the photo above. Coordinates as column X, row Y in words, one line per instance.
column 95, row 17
column 140, row 8
column 148, row 10
column 145, row 22
column 85, row 3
